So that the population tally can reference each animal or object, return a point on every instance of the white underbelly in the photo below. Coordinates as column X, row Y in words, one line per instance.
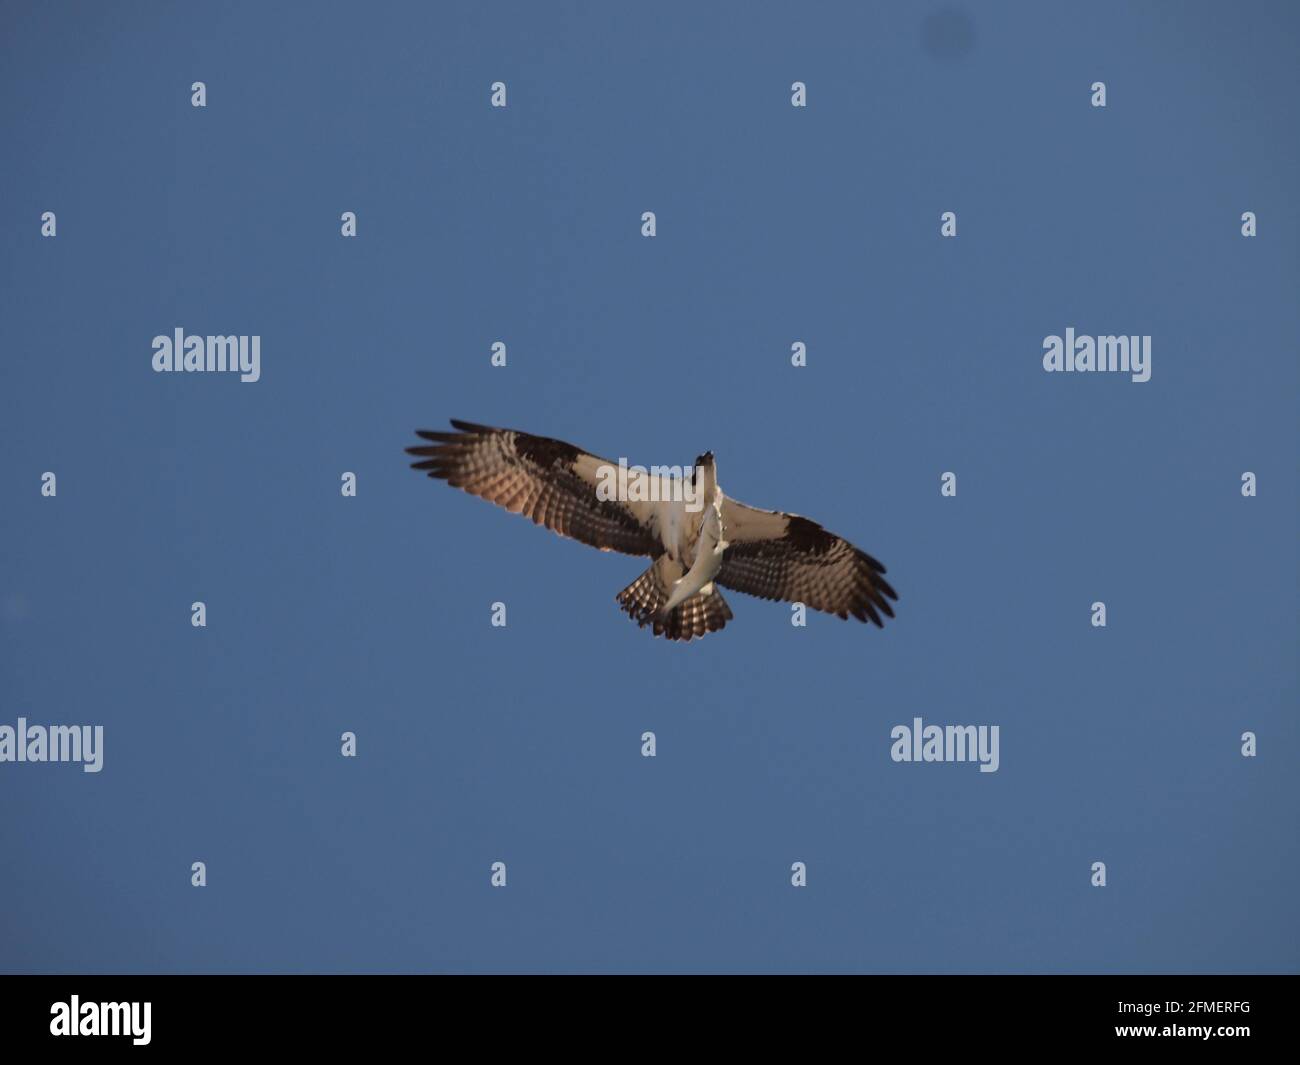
column 675, row 531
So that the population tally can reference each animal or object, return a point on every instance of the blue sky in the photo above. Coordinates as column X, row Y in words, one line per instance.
column 522, row 744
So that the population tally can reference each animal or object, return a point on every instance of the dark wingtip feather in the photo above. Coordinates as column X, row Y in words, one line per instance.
column 871, row 561
column 471, row 427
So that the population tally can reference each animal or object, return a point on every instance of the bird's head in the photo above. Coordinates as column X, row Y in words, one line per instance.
column 704, row 478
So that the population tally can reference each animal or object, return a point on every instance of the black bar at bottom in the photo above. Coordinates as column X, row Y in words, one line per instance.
column 341, row 1013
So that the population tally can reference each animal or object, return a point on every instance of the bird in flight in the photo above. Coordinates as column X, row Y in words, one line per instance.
column 696, row 537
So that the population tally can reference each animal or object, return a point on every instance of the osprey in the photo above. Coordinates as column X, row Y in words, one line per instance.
column 695, row 536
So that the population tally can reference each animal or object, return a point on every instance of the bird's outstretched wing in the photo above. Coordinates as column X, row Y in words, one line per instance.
column 783, row 556
column 551, row 482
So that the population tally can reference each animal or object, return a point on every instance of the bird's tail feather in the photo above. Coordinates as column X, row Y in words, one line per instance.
column 699, row 615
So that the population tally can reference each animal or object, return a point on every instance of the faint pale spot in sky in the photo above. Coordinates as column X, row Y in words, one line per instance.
column 948, row 34
column 13, row 608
